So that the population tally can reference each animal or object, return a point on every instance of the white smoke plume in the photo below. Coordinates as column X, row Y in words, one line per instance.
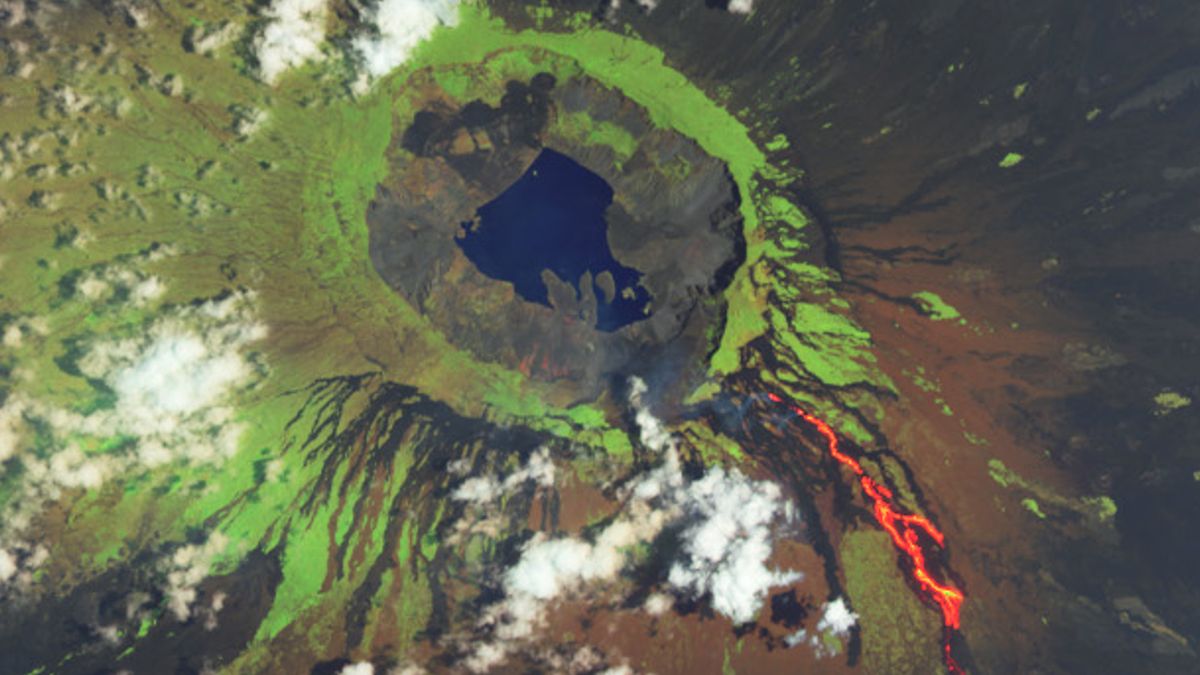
column 293, row 36
column 726, row 537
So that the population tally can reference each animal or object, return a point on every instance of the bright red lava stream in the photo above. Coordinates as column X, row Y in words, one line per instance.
column 903, row 529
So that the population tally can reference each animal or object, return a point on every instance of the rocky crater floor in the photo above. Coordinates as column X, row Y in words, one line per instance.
column 673, row 217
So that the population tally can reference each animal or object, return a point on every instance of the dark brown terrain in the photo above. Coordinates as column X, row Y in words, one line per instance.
column 1075, row 270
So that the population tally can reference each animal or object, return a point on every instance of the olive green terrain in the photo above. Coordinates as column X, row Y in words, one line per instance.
column 336, row 549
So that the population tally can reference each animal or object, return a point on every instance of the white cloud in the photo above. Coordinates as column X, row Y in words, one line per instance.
column 798, row 638
column 408, row 668
column 657, row 603
column 171, row 383
column 18, row 563
column 13, row 12
column 837, row 618
column 134, row 13
column 726, row 540
column 293, row 36
column 210, row 37
column 184, row 571
column 360, row 668
column 13, row 337
column 8, row 566
column 214, row 608
column 615, row 6
column 139, row 288
column 741, row 6
column 11, row 422
column 17, row 330
column 486, row 656
column 836, row 622
column 172, row 386
column 726, row 546
column 478, row 490
column 399, row 26
column 550, row 569
column 176, row 374
column 109, row 634
column 248, row 120
column 486, row 489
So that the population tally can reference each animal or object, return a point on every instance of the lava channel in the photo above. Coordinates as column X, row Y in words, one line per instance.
column 905, row 530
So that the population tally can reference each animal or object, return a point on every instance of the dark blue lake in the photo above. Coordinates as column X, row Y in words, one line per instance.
column 552, row 218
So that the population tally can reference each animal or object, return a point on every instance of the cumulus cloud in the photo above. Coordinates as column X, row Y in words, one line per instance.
column 20, row 328
column 11, row 424
column 171, row 386
column 726, row 527
column 18, row 563
column 120, row 282
column 13, row 337
column 836, row 622
column 398, row 26
column 247, row 120
column 8, row 566
column 360, row 668
column 657, row 603
column 486, row 489
column 184, row 571
column 478, row 490
column 209, row 37
column 293, row 35
column 798, row 638
column 726, row 546
column 213, row 609
column 837, row 618
column 615, row 5
column 741, row 6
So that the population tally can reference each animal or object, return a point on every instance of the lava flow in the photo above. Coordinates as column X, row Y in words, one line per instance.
column 903, row 529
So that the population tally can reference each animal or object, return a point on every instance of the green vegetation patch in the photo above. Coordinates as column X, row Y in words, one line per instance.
column 935, row 307
column 899, row 634
column 1011, row 159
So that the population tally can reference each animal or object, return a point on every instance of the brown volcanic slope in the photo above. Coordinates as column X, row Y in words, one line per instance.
column 1074, row 270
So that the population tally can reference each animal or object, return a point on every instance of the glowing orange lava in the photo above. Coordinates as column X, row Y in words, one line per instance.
column 903, row 529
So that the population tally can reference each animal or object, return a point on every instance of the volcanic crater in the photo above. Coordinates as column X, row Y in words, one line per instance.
column 673, row 217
